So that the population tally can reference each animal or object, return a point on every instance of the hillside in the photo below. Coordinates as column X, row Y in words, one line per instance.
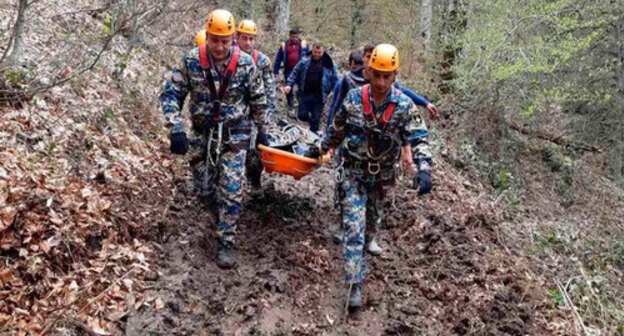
column 100, row 233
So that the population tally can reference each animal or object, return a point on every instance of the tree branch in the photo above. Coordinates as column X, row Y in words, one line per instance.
column 556, row 139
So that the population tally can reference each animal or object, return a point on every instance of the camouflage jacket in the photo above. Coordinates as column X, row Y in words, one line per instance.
column 245, row 90
column 405, row 127
column 264, row 67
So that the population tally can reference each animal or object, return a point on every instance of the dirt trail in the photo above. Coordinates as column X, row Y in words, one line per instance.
column 442, row 271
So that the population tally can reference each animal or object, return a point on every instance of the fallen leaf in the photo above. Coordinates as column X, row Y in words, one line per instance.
column 159, row 303
column 329, row 319
column 7, row 215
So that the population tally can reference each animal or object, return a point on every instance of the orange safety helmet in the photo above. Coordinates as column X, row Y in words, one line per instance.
column 200, row 38
column 220, row 23
column 385, row 57
column 247, row 27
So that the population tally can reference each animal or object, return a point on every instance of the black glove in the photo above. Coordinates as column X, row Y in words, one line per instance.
column 422, row 182
column 313, row 152
column 179, row 143
column 261, row 138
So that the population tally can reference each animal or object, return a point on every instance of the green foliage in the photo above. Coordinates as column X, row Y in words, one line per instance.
column 109, row 114
column 557, row 297
column 503, row 180
column 553, row 239
column 109, row 25
column 531, row 60
column 17, row 77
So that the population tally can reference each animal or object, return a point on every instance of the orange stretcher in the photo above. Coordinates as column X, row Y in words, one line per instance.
column 279, row 161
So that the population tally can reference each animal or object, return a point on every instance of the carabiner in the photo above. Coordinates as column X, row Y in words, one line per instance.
column 374, row 168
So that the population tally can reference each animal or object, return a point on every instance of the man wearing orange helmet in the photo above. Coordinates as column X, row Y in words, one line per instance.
column 355, row 79
column 227, row 97
column 246, row 38
column 375, row 122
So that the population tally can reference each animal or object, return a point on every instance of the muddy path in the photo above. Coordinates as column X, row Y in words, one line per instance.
column 443, row 270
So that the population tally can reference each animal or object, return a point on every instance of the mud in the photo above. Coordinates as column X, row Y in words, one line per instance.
column 442, row 271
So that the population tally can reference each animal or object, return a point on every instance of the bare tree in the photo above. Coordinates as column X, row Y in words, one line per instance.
column 282, row 17
column 71, row 57
column 426, row 14
column 357, row 19
column 15, row 47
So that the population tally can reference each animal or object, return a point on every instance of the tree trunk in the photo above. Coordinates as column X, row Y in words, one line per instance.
column 282, row 17
column 426, row 14
column 15, row 47
column 357, row 19
column 615, row 156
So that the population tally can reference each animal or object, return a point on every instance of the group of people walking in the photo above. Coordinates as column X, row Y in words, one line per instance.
column 373, row 127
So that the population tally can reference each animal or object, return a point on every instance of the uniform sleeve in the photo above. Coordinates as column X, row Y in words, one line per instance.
column 269, row 85
column 257, row 98
column 416, row 98
column 173, row 95
column 414, row 133
column 337, row 130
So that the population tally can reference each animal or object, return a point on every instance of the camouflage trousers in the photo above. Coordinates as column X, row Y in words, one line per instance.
column 221, row 185
column 361, row 219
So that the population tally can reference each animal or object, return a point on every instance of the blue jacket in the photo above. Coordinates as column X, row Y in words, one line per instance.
column 330, row 75
column 353, row 79
column 282, row 55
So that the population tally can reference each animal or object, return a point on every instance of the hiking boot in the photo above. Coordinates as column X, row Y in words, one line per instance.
column 373, row 247
column 225, row 255
column 255, row 186
column 337, row 236
column 355, row 297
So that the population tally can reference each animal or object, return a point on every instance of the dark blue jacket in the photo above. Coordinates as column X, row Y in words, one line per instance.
column 298, row 75
column 282, row 55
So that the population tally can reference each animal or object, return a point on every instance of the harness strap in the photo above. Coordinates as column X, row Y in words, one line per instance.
column 369, row 115
column 256, row 54
column 203, row 57
column 226, row 77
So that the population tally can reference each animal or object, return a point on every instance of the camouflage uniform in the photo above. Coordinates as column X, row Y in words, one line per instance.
column 254, row 165
column 264, row 67
column 364, row 184
column 220, row 178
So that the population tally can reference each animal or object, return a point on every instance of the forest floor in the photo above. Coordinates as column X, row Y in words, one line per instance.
column 101, row 235
column 444, row 269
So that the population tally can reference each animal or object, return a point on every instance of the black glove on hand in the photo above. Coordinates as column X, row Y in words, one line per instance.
column 179, row 143
column 261, row 138
column 422, row 182
column 313, row 152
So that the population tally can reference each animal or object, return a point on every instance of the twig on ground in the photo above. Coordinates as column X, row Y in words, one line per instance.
column 99, row 296
column 568, row 301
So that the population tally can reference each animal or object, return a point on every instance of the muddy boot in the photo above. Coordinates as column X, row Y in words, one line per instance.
column 373, row 247
column 355, row 297
column 225, row 255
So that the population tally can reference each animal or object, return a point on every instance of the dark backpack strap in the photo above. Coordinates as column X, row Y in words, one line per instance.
column 204, row 61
